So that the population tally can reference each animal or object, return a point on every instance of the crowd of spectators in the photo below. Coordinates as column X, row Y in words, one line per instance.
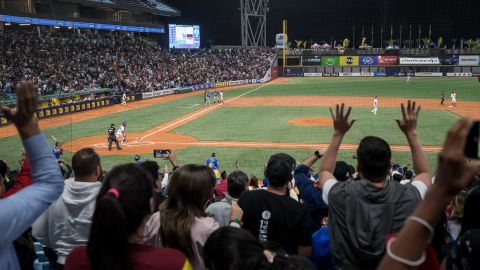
column 63, row 60
column 379, row 215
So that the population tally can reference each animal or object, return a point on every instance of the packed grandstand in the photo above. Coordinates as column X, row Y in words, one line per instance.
column 316, row 212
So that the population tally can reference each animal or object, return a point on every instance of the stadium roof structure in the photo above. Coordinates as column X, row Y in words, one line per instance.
column 150, row 6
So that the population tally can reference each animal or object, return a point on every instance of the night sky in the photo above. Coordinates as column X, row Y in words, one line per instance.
column 326, row 19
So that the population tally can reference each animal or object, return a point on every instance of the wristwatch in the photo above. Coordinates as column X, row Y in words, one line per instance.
column 318, row 155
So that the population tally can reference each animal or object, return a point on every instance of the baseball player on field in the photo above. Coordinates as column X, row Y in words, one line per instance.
column 121, row 133
column 207, row 98
column 453, row 96
column 221, row 97
column 215, row 97
column 375, row 105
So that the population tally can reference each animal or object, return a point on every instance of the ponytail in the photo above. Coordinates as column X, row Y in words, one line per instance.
column 108, row 244
column 122, row 204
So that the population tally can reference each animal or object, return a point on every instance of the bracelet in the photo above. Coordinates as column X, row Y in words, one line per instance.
column 403, row 260
column 424, row 223
column 235, row 220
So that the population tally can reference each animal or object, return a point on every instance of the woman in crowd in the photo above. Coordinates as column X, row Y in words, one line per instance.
column 234, row 248
column 123, row 206
column 182, row 222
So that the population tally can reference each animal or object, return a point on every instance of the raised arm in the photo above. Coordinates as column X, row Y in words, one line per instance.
column 19, row 211
column 453, row 173
column 341, row 125
column 408, row 125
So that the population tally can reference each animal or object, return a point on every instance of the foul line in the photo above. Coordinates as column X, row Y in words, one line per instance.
column 202, row 111
column 194, row 105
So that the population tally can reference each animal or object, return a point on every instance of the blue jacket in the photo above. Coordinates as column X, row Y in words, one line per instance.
column 311, row 194
column 20, row 210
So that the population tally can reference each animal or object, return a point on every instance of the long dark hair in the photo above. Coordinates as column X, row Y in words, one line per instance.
column 116, row 219
column 190, row 188
column 231, row 248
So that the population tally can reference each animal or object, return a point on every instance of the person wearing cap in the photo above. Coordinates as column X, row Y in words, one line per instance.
column 137, row 160
column 112, row 138
column 212, row 162
column 274, row 217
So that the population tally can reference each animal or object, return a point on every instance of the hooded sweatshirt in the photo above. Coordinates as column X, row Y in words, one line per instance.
column 66, row 224
column 362, row 215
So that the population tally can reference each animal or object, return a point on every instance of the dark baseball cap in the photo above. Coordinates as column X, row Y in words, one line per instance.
column 279, row 167
column 343, row 171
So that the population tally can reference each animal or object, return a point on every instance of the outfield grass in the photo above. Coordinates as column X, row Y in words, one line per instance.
column 430, row 88
column 270, row 124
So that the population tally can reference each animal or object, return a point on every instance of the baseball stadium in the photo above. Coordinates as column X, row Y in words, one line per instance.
column 161, row 82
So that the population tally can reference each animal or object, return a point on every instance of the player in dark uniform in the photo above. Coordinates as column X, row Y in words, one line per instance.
column 112, row 138
column 443, row 98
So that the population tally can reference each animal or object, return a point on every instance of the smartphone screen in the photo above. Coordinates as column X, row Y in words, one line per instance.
column 161, row 153
column 472, row 148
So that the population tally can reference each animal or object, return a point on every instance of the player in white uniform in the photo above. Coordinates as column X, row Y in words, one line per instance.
column 121, row 134
column 454, row 99
column 124, row 99
column 375, row 105
column 221, row 97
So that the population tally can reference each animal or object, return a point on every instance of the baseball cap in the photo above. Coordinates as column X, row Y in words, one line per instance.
column 279, row 166
column 343, row 171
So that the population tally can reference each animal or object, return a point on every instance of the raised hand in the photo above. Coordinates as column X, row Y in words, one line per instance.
column 408, row 124
column 454, row 170
column 23, row 116
column 341, row 122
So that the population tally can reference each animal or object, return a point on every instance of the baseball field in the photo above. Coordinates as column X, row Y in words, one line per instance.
column 288, row 115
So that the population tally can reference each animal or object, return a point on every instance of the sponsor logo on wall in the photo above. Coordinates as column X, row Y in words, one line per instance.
column 419, row 61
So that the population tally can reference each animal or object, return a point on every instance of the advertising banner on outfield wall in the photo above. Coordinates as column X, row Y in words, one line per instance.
column 468, row 60
column 388, row 60
column 459, row 74
column 419, row 61
column 293, row 72
column 312, row 60
column 368, row 60
column 447, row 60
column 330, row 61
column 349, row 60
column 428, row 74
column 312, row 74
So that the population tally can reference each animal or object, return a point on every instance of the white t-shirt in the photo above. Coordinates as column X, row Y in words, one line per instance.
column 375, row 102
column 454, row 96
column 122, row 128
column 421, row 187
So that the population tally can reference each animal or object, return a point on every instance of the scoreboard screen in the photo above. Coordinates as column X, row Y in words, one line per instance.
column 184, row 36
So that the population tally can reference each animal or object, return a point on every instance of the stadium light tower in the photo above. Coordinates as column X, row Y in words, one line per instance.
column 254, row 22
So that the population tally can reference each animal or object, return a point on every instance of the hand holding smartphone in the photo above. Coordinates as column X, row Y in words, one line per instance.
column 472, row 147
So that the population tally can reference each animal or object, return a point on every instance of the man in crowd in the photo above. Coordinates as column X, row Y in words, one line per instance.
column 272, row 216
column 66, row 223
column 237, row 184
column 309, row 191
column 375, row 203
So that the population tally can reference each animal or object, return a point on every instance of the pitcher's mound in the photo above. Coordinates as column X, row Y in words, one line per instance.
column 312, row 121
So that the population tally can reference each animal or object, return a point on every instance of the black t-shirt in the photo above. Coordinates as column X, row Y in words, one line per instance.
column 278, row 219
column 111, row 131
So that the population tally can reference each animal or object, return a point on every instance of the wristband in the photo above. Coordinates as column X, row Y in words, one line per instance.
column 403, row 260
column 236, row 220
